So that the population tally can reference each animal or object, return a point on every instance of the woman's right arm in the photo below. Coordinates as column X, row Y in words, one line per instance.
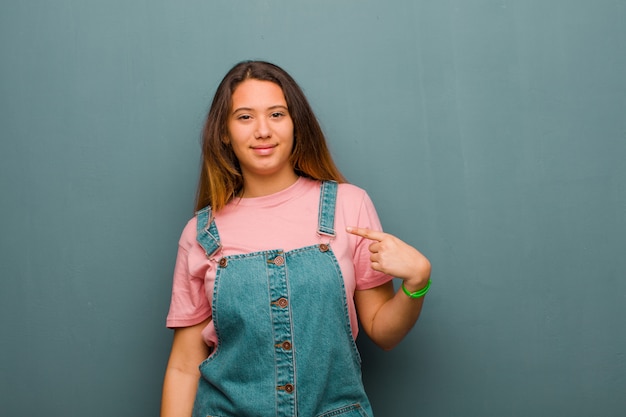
column 182, row 373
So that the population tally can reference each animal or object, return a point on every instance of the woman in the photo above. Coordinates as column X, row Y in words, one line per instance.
column 281, row 260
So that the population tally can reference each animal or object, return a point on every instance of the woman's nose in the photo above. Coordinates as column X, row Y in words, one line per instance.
column 262, row 129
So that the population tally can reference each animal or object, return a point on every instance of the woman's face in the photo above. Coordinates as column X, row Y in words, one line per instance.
column 261, row 130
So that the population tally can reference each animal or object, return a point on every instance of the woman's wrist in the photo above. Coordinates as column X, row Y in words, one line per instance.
column 416, row 293
column 416, row 285
column 420, row 276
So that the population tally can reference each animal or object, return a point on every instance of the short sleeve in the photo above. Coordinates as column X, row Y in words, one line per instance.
column 189, row 304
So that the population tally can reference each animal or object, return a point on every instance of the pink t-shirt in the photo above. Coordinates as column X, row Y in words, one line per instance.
column 285, row 220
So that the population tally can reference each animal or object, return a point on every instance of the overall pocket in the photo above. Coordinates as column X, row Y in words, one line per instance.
column 353, row 410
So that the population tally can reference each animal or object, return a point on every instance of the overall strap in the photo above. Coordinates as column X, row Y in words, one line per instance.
column 207, row 235
column 326, row 220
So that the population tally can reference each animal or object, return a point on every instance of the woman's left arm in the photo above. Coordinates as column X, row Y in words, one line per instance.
column 385, row 315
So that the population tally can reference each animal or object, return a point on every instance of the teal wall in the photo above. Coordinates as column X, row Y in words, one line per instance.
column 491, row 134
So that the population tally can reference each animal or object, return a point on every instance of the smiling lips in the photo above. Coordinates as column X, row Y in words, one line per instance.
column 263, row 149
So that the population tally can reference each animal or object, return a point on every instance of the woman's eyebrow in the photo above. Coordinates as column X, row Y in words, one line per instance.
column 274, row 107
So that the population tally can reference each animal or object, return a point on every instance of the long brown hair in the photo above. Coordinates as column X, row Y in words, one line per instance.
column 220, row 177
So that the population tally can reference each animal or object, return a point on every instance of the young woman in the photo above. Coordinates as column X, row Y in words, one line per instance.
column 281, row 260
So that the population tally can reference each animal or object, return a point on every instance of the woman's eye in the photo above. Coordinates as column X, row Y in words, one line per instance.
column 244, row 117
column 277, row 114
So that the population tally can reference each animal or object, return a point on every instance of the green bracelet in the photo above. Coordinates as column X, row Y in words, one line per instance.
column 418, row 293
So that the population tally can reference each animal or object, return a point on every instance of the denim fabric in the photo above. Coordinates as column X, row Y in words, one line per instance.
column 285, row 347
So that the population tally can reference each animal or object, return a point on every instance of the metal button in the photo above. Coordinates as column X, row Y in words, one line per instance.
column 324, row 247
column 288, row 388
column 223, row 262
column 279, row 260
column 286, row 345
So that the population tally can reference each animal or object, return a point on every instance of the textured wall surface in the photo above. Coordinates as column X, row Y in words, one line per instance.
column 490, row 134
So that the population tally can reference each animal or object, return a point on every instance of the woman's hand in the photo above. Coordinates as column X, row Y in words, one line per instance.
column 394, row 257
column 387, row 316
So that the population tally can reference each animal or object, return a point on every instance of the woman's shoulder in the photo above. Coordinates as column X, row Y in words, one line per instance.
column 345, row 191
column 188, row 235
column 350, row 193
column 348, row 188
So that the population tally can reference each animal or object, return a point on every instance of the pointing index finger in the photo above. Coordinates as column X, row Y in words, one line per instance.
column 366, row 233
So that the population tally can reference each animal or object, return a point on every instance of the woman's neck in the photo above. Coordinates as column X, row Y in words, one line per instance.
column 254, row 186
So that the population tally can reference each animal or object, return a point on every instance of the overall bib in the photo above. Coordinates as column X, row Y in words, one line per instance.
column 285, row 347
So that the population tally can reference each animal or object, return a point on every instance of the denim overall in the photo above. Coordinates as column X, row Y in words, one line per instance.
column 285, row 347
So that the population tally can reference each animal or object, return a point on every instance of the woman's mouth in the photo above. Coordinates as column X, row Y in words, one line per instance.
column 263, row 149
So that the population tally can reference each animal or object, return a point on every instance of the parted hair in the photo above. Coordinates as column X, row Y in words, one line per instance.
column 220, row 174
